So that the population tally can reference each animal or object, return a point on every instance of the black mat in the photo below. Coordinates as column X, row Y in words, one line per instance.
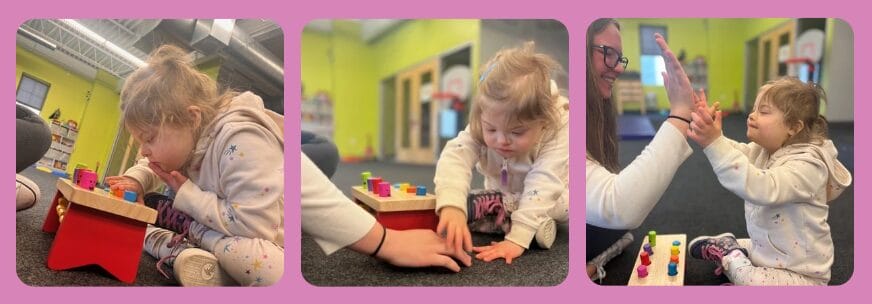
column 536, row 267
column 696, row 204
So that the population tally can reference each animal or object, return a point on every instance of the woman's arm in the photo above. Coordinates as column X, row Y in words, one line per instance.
column 336, row 222
column 623, row 200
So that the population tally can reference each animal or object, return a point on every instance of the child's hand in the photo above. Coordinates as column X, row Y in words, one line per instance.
column 125, row 183
column 452, row 224
column 706, row 124
column 699, row 100
column 173, row 179
column 505, row 249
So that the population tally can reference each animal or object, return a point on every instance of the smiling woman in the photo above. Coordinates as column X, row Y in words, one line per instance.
column 612, row 208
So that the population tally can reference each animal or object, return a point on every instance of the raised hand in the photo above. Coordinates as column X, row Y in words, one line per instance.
column 678, row 88
column 706, row 125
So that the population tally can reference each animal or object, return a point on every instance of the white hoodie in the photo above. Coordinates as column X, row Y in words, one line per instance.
column 539, row 178
column 236, row 174
column 786, row 196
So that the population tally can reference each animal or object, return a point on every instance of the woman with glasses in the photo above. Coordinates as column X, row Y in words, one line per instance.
column 619, row 200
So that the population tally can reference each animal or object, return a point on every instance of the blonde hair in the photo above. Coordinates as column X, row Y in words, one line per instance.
column 602, row 127
column 799, row 101
column 159, row 93
column 518, row 78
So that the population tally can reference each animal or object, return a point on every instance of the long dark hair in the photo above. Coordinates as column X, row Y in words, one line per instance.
column 602, row 128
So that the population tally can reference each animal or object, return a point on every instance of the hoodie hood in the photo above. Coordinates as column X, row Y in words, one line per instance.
column 245, row 107
column 839, row 176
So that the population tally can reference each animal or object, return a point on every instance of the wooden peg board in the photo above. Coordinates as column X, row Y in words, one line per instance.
column 396, row 202
column 103, row 201
column 658, row 270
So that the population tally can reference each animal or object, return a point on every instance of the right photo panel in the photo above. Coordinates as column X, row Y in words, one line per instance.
column 720, row 152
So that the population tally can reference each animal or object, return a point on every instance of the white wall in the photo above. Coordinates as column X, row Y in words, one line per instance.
column 550, row 36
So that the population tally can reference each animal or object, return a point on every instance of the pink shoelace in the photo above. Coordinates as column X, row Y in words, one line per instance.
column 175, row 220
column 490, row 204
column 714, row 253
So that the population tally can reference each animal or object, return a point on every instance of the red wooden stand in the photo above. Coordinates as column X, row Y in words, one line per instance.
column 97, row 229
column 401, row 211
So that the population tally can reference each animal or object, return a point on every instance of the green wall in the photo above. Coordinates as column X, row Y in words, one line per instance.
column 720, row 41
column 351, row 70
column 97, row 115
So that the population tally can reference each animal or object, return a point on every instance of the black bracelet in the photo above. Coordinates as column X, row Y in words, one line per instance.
column 380, row 243
column 679, row 117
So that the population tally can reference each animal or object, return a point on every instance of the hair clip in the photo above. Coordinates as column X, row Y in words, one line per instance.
column 486, row 72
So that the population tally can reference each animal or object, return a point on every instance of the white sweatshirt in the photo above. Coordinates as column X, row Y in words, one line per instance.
column 786, row 197
column 535, row 180
column 330, row 217
column 236, row 174
column 623, row 200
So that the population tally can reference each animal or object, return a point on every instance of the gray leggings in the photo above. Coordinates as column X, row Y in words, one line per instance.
column 321, row 151
column 32, row 138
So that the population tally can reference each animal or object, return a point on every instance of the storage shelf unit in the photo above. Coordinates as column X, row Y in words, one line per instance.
column 62, row 142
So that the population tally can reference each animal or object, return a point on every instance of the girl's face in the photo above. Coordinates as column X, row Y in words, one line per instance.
column 766, row 126
column 167, row 147
column 505, row 137
column 611, row 39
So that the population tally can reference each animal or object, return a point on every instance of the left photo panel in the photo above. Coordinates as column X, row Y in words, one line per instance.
column 149, row 152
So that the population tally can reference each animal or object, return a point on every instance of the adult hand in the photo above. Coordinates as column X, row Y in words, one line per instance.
column 452, row 224
column 506, row 249
column 678, row 88
column 420, row 248
column 173, row 179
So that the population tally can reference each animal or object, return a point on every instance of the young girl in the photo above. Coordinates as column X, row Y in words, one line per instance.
column 786, row 176
column 517, row 138
column 222, row 155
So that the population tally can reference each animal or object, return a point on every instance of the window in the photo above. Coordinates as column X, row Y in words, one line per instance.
column 651, row 61
column 31, row 92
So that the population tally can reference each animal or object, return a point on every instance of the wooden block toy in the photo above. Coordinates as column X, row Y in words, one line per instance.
column 85, row 178
column 97, row 229
column 661, row 271
column 401, row 210
column 642, row 271
column 365, row 176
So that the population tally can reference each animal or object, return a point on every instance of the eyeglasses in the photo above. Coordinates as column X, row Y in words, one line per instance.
column 611, row 57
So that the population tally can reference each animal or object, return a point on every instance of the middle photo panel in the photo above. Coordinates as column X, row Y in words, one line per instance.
column 435, row 152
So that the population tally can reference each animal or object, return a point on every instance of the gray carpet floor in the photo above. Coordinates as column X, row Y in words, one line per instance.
column 696, row 204
column 32, row 246
column 537, row 267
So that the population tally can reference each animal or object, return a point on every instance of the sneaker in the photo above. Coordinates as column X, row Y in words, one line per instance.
column 714, row 248
column 198, row 267
column 610, row 253
column 546, row 233
column 26, row 193
column 167, row 216
column 162, row 245
column 486, row 213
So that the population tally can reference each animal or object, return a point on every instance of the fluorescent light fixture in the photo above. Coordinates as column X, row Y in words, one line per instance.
column 225, row 25
column 103, row 42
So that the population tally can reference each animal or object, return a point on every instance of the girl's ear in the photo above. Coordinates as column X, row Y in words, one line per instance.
column 196, row 114
column 796, row 128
